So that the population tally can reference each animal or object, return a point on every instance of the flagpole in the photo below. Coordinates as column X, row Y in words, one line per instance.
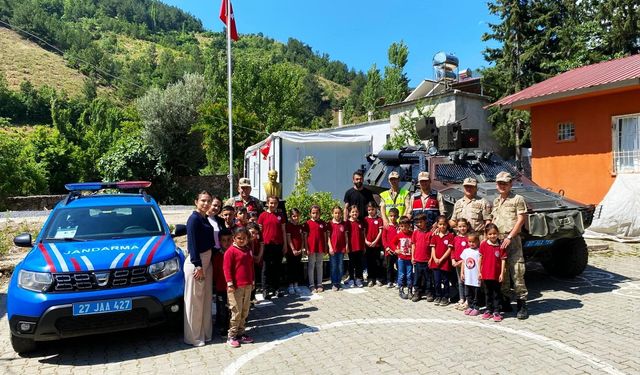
column 229, row 100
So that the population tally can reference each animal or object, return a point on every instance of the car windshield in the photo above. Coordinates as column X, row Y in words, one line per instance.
column 101, row 223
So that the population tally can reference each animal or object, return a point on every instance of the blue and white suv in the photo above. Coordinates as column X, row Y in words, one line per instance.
column 103, row 262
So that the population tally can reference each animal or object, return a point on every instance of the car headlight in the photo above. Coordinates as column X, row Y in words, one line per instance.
column 35, row 281
column 162, row 270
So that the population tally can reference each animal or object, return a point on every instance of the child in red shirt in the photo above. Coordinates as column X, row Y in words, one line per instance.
column 242, row 217
column 272, row 224
column 337, row 247
column 356, row 238
column 220, row 284
column 257, row 251
column 294, row 249
column 441, row 247
column 316, row 230
column 373, row 245
column 228, row 214
column 238, row 271
column 388, row 234
column 420, row 256
column 402, row 245
column 492, row 264
column 460, row 243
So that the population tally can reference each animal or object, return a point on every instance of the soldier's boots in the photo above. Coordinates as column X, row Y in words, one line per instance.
column 416, row 296
column 506, row 305
column 522, row 309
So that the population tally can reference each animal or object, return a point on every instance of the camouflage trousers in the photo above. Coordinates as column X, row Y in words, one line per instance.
column 514, row 274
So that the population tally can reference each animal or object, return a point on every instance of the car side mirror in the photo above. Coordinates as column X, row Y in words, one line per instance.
column 180, row 230
column 23, row 240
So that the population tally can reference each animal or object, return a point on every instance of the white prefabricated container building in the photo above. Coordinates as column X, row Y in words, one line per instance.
column 337, row 157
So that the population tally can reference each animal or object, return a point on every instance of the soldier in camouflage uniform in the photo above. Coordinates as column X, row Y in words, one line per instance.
column 476, row 210
column 508, row 214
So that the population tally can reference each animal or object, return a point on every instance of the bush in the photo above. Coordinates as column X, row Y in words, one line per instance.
column 20, row 173
column 302, row 200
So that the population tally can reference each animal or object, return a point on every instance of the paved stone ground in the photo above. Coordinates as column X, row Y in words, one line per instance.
column 583, row 325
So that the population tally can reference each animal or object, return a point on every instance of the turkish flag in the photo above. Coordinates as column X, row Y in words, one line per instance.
column 265, row 149
column 223, row 18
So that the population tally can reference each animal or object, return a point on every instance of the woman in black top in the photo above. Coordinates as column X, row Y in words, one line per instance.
column 198, row 275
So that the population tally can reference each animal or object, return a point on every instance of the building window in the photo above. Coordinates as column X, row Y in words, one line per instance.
column 566, row 132
column 626, row 144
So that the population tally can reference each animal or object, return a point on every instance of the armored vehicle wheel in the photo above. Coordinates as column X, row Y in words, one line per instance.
column 568, row 257
column 22, row 345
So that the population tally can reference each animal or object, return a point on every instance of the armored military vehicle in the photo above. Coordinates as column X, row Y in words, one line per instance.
column 552, row 232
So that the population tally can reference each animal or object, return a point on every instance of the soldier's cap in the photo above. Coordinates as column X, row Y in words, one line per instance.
column 394, row 174
column 423, row 176
column 503, row 177
column 470, row 181
column 243, row 182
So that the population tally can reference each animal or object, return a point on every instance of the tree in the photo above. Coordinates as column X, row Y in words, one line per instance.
column 20, row 173
column 372, row 90
column 395, row 84
column 300, row 197
column 213, row 126
column 168, row 116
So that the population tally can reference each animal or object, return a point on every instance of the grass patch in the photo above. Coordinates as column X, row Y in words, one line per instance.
column 10, row 229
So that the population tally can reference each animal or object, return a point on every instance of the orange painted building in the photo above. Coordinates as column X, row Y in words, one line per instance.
column 585, row 127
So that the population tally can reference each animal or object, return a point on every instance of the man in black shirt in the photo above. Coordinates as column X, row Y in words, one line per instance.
column 358, row 196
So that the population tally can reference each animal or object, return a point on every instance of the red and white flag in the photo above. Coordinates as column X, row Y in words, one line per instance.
column 223, row 18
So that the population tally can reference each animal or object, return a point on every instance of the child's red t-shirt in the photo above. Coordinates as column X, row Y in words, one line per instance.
column 356, row 235
column 219, row 282
column 316, row 240
column 238, row 266
column 422, row 241
column 271, row 224
column 338, row 236
column 491, row 260
column 402, row 245
column 441, row 244
column 295, row 232
column 459, row 244
column 374, row 226
column 388, row 234
column 255, row 250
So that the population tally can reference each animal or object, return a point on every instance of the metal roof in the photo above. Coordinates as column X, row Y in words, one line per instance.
column 609, row 75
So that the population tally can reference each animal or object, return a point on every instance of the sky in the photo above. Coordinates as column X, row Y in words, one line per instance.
column 359, row 32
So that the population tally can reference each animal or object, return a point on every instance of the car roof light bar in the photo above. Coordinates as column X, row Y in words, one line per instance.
column 95, row 186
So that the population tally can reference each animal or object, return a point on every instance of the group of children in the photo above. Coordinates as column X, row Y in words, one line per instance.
column 425, row 259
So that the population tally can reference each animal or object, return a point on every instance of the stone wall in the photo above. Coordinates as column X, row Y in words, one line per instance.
column 216, row 185
column 33, row 203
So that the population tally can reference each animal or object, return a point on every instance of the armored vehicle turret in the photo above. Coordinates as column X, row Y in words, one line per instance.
column 554, row 225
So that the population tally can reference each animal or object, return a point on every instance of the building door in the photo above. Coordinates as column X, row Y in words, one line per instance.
column 626, row 144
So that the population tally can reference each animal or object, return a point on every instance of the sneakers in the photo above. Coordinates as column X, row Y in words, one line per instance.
column 370, row 284
column 497, row 317
column 402, row 294
column 430, row 298
column 349, row 284
column 379, row 283
column 313, row 289
column 233, row 342
column 199, row 344
column 486, row 315
column 468, row 311
column 319, row 289
column 335, row 288
column 474, row 312
column 464, row 306
column 246, row 339
column 444, row 301
column 389, row 285
column 416, row 297
column 291, row 290
column 359, row 283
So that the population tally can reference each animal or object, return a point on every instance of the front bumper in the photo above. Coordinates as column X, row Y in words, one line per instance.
column 58, row 322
